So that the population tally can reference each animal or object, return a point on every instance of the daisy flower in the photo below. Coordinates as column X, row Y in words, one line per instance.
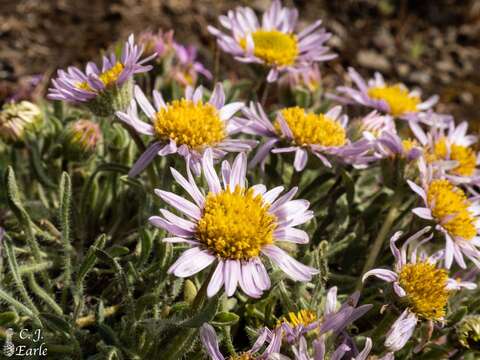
column 232, row 226
column 273, row 42
column 296, row 130
column 455, row 215
column 418, row 280
column 380, row 130
column 105, row 90
column 187, row 68
column 187, row 126
column 451, row 151
column 395, row 100
column 19, row 119
column 209, row 340
column 296, row 325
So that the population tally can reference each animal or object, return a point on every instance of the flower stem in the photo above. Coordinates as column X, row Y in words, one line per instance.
column 202, row 293
column 380, row 239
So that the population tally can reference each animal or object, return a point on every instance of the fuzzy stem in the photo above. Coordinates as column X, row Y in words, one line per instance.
column 380, row 239
column 228, row 340
column 65, row 201
column 12, row 262
column 42, row 294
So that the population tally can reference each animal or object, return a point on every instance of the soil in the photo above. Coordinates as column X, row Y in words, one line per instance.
column 434, row 45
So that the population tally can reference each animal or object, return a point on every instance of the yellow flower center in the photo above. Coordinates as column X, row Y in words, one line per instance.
column 409, row 144
column 242, row 356
column 236, row 225
column 187, row 123
column 465, row 156
column 312, row 129
column 304, row 317
column 449, row 206
column 274, row 47
column 108, row 77
column 426, row 290
column 398, row 99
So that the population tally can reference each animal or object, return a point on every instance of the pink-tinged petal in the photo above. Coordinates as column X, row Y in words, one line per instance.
column 247, row 282
column 143, row 102
column 394, row 249
column 383, row 274
column 424, row 213
column 190, row 187
column 272, row 75
column 457, row 254
column 229, row 110
column 340, row 352
column 178, row 221
column 448, row 251
column 185, row 206
column 170, row 148
column 158, row 100
column 210, row 342
column 285, row 150
column 218, row 96
column 334, row 112
column 293, row 235
column 284, row 126
column 145, row 159
column 366, row 350
column 261, row 278
column 258, row 189
column 239, row 171
column 174, row 229
column 418, row 190
column 418, row 132
column 179, row 240
column 209, row 172
column 453, row 284
column 284, row 198
column 399, row 290
column 198, row 94
column 270, row 196
column 401, row 331
column 301, row 158
column 191, row 262
column 331, row 301
column 260, row 341
column 291, row 267
column 231, row 275
column 217, row 280
column 138, row 125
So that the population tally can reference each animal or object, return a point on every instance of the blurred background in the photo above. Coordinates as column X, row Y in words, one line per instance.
column 433, row 44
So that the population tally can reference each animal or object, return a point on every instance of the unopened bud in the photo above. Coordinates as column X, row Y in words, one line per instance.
column 17, row 119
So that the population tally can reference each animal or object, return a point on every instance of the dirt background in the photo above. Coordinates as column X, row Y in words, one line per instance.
column 434, row 44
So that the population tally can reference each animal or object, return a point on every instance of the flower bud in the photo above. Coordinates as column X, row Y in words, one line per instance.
column 189, row 291
column 81, row 138
column 468, row 332
column 17, row 119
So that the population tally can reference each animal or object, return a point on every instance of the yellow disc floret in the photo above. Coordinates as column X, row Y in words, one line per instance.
column 304, row 317
column 465, row 156
column 449, row 206
column 274, row 47
column 426, row 290
column 409, row 145
column 312, row 129
column 108, row 77
column 398, row 99
column 242, row 356
column 236, row 225
column 187, row 123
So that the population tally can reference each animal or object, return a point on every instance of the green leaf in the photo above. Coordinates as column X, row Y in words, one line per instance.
column 225, row 319
column 55, row 323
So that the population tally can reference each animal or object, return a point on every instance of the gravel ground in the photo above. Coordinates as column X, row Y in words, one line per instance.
column 431, row 44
